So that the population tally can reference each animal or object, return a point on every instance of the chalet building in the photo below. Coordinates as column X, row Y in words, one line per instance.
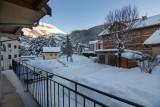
column 94, row 45
column 10, row 50
column 51, row 52
column 154, row 41
column 144, row 30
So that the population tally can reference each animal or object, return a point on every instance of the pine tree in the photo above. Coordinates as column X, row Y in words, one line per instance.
column 52, row 42
column 31, row 48
column 37, row 44
column 67, row 48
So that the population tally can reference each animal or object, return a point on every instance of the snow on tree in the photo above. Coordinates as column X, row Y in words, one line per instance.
column 67, row 48
column 119, row 24
column 36, row 45
column 79, row 49
column 23, row 50
column 148, row 63
column 51, row 41
column 31, row 48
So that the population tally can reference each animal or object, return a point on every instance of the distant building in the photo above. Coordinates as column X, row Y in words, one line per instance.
column 79, row 48
column 51, row 52
column 23, row 58
column 94, row 45
column 10, row 50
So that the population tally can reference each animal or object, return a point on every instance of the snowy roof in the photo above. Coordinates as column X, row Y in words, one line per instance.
column 27, row 56
column 154, row 38
column 51, row 49
column 116, row 50
column 96, row 41
column 130, row 55
column 86, row 49
column 106, row 50
column 153, row 20
column 106, row 31
column 93, row 42
column 88, row 52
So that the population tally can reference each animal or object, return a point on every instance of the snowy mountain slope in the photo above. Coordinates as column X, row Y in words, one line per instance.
column 42, row 29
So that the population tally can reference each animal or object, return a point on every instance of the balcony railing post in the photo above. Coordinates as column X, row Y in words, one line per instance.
column 19, row 69
column 47, row 90
column 75, row 94
column 34, row 84
column 27, row 76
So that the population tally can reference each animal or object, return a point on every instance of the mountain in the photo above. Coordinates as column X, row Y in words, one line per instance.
column 42, row 29
column 84, row 36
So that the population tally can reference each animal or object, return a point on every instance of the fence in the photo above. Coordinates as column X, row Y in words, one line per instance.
column 51, row 90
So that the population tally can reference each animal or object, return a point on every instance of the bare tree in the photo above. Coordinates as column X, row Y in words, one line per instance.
column 148, row 63
column 119, row 24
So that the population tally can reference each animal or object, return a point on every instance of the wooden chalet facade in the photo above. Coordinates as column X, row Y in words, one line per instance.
column 141, row 33
column 94, row 45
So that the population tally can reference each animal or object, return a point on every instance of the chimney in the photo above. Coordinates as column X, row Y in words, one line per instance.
column 144, row 17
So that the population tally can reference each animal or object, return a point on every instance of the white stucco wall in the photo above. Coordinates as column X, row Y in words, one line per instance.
column 9, row 51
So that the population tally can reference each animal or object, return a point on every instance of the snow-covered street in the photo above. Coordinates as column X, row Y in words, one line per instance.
column 131, row 84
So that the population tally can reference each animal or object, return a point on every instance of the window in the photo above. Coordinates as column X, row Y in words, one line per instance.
column 15, row 56
column 19, row 55
column 157, row 28
column 9, row 45
column 9, row 56
column 146, row 46
column 137, row 46
column 1, row 58
column 15, row 46
column 4, row 48
column 55, row 54
column 50, row 54
column 19, row 47
column 99, row 46
column 130, row 46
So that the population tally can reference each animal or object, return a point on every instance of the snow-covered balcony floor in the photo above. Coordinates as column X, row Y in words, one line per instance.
column 14, row 94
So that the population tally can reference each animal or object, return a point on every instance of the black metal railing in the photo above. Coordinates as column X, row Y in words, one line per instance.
column 51, row 90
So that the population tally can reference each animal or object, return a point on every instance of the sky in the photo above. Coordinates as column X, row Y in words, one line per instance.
column 69, row 15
